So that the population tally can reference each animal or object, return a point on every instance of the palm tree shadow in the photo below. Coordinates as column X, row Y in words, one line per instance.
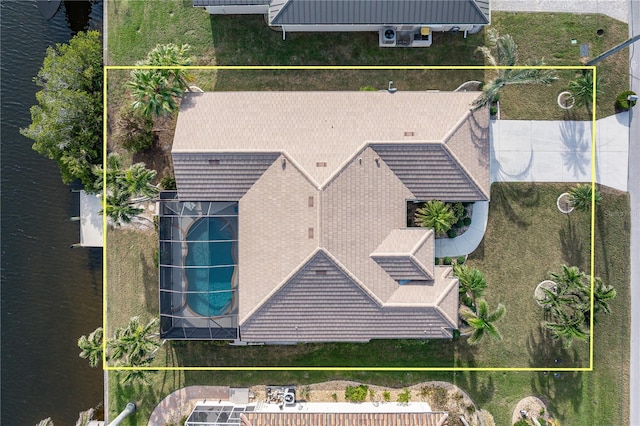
column 481, row 386
column 572, row 244
column 504, row 197
column 577, row 148
column 544, row 351
column 139, row 394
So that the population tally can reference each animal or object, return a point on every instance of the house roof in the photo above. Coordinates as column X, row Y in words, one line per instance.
column 346, row 219
column 346, row 419
column 380, row 12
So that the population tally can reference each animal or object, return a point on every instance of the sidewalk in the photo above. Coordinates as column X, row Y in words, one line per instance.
column 616, row 9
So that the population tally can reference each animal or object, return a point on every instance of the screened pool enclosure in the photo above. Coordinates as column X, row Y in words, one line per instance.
column 198, row 269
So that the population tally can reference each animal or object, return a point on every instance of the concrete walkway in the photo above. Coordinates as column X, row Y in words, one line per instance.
column 616, row 9
column 469, row 241
column 180, row 403
column 560, row 151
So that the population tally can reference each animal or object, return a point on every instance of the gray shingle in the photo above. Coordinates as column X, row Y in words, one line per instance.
column 318, row 306
column 383, row 12
column 430, row 172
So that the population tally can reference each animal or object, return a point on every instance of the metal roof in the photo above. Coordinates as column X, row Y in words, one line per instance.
column 382, row 12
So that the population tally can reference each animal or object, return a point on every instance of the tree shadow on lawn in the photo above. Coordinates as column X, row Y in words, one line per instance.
column 473, row 382
column 545, row 351
column 138, row 393
column 150, row 283
column 507, row 198
column 404, row 353
column 559, row 391
column 572, row 244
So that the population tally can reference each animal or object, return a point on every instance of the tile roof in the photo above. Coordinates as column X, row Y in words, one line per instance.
column 407, row 254
column 381, row 12
column 320, row 131
column 322, row 302
column 346, row 419
column 376, row 150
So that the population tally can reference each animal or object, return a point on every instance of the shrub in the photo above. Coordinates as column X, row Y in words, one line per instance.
column 460, row 223
column 372, row 394
column 168, row 183
column 437, row 261
column 580, row 197
column 451, row 233
column 521, row 422
column 356, row 393
column 448, row 260
column 133, row 129
column 437, row 215
column 368, row 89
column 458, row 209
column 334, row 396
column 386, row 396
column 467, row 221
column 493, row 110
column 622, row 102
column 404, row 396
column 460, row 260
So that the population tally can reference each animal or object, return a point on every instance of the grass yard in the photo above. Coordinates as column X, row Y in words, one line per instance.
column 521, row 215
column 548, row 36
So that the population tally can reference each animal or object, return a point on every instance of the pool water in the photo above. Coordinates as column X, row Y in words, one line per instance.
column 210, row 266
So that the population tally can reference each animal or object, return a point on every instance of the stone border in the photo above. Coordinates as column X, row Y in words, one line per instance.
column 564, row 195
column 539, row 295
column 570, row 100
column 532, row 405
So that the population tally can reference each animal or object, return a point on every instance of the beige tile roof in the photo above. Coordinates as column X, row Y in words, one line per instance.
column 346, row 419
column 349, row 163
column 319, row 130
column 274, row 219
column 407, row 254
column 323, row 302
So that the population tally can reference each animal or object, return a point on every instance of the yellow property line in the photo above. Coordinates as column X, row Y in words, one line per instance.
column 355, row 67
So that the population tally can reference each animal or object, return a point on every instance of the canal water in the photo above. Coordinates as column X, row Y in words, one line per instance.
column 51, row 294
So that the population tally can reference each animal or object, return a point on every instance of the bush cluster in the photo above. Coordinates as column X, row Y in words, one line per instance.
column 356, row 393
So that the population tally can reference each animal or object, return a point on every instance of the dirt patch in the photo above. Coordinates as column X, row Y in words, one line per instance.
column 532, row 408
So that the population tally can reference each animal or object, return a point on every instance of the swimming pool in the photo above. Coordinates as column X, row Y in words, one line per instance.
column 210, row 263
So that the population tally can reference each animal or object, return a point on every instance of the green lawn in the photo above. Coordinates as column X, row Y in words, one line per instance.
column 521, row 215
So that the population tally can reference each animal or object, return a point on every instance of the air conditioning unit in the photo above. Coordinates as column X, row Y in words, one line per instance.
column 289, row 397
column 388, row 35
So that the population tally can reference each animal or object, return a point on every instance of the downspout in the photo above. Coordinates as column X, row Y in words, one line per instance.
column 284, row 34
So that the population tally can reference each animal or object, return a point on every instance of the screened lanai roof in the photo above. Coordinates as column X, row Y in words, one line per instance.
column 198, row 263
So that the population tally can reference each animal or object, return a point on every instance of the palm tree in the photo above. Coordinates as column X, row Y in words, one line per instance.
column 171, row 54
column 136, row 181
column 506, row 54
column 437, row 215
column 153, row 92
column 568, row 327
column 554, row 301
column 112, row 173
column 119, row 208
column 582, row 89
column 156, row 91
column 472, row 284
column 91, row 347
column 602, row 293
column 580, row 196
column 482, row 321
column 136, row 344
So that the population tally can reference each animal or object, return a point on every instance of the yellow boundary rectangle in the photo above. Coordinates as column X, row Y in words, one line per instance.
column 337, row 68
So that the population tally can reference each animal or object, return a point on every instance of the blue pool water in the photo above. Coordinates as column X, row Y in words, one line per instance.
column 209, row 246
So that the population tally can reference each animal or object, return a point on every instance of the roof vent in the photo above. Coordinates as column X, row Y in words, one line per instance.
column 409, row 133
column 321, row 164
column 321, row 272
column 214, row 162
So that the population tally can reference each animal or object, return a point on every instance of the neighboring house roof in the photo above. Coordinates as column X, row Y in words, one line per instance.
column 346, row 419
column 382, row 12
column 328, row 201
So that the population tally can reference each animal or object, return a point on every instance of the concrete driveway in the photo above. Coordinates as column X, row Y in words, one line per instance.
column 560, row 151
